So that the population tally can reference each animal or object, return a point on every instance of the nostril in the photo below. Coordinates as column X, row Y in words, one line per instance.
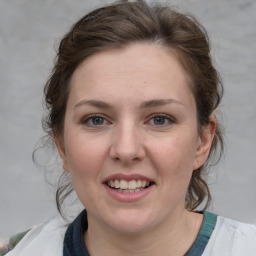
column 126, row 149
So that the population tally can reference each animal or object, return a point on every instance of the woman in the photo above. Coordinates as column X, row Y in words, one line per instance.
column 131, row 104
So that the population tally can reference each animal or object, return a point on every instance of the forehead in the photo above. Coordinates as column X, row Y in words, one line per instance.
column 141, row 69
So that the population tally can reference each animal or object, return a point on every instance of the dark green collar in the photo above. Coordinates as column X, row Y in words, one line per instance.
column 74, row 243
column 204, row 235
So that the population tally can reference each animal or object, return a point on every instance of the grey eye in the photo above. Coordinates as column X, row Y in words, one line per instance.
column 160, row 120
column 97, row 120
column 94, row 121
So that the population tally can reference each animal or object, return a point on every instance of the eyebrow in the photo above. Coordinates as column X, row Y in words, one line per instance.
column 94, row 103
column 146, row 104
column 159, row 102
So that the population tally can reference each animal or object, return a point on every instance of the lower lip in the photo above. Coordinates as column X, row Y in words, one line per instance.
column 128, row 197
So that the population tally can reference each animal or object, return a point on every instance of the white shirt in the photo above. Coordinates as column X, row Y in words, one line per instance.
column 229, row 238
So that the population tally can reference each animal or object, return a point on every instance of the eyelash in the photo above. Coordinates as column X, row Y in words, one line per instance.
column 86, row 120
column 166, row 117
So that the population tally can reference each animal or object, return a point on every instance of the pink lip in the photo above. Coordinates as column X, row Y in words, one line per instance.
column 128, row 197
column 121, row 176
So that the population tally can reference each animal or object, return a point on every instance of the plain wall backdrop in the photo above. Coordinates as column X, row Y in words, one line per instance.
column 30, row 31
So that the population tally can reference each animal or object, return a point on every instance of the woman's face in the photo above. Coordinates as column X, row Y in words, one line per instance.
column 131, row 138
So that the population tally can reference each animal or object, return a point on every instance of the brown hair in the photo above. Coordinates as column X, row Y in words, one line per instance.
column 122, row 23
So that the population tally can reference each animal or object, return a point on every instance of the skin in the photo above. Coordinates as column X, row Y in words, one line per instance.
column 133, row 136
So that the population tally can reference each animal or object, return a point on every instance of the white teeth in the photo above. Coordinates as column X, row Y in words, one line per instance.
column 111, row 183
column 139, row 184
column 117, row 184
column 128, row 186
column 132, row 184
column 129, row 190
column 123, row 184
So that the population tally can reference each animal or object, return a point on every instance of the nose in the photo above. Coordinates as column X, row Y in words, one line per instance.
column 127, row 145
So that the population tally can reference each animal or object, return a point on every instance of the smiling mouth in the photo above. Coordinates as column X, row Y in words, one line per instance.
column 125, row 186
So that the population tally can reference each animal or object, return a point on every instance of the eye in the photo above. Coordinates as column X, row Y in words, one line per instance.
column 94, row 120
column 161, row 120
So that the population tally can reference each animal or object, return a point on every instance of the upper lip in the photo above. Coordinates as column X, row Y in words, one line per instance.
column 121, row 176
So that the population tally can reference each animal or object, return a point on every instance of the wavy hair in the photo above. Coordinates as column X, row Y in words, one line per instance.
column 116, row 26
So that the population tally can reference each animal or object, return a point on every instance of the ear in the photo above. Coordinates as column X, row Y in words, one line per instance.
column 204, row 142
column 62, row 152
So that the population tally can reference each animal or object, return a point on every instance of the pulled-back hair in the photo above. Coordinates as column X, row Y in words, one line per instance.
column 118, row 25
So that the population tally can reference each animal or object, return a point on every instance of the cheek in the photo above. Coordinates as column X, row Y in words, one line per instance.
column 84, row 156
column 175, row 156
column 173, row 159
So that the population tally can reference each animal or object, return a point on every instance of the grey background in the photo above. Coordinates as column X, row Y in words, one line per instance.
column 29, row 32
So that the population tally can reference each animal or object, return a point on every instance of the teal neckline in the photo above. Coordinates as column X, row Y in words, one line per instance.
column 204, row 235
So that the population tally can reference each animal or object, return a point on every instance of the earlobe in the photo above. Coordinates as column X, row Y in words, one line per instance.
column 205, row 142
column 62, row 152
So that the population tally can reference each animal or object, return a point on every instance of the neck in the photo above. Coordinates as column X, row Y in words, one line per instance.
column 174, row 237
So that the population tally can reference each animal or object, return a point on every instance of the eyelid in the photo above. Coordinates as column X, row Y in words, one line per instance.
column 171, row 119
column 162, row 115
column 87, row 117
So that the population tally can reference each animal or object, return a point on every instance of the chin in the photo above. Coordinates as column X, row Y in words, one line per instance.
column 130, row 222
column 130, row 228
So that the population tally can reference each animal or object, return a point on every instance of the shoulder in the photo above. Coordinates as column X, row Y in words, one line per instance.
column 39, row 240
column 244, row 229
column 232, row 237
column 6, row 246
